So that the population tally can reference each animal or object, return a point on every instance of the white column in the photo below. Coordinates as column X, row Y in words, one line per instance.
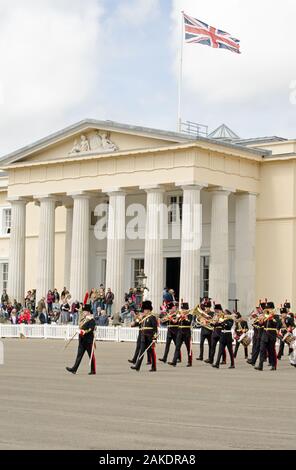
column 16, row 267
column 219, row 254
column 245, row 261
column 116, row 247
column 80, row 247
column 46, row 244
column 153, row 264
column 68, row 245
column 191, row 243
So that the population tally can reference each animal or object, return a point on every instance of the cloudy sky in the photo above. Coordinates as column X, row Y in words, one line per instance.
column 65, row 60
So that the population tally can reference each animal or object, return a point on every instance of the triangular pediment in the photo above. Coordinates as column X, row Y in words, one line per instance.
column 92, row 137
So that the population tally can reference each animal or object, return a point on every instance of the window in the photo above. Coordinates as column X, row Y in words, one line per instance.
column 175, row 209
column 103, row 278
column 138, row 266
column 4, row 275
column 205, row 270
column 6, row 221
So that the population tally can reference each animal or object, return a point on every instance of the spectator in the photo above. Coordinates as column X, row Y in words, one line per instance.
column 56, row 296
column 65, row 311
column 56, row 311
column 24, row 317
column 109, row 302
column 4, row 297
column 116, row 320
column 41, row 305
column 49, row 301
column 44, row 317
column 103, row 319
column 75, row 312
column 13, row 317
column 101, row 297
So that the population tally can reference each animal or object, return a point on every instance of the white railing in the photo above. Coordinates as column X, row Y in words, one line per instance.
column 103, row 333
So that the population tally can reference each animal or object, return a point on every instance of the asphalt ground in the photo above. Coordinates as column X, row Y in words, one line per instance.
column 42, row 406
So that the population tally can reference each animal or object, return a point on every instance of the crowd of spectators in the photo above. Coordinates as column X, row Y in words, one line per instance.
column 60, row 308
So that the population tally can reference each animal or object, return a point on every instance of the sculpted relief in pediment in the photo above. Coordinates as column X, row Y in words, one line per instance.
column 97, row 142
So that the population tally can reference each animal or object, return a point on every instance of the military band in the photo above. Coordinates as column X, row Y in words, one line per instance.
column 223, row 330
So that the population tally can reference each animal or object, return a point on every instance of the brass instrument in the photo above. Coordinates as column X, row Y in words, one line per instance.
column 202, row 318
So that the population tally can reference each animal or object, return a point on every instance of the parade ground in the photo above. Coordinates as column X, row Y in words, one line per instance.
column 44, row 407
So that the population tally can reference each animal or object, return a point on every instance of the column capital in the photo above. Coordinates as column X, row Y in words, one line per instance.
column 157, row 188
column 247, row 193
column 79, row 195
column 18, row 199
column 221, row 190
column 45, row 197
column 191, row 185
column 116, row 191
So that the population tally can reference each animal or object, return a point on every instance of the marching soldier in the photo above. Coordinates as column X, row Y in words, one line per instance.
column 87, row 327
column 287, row 326
column 269, row 336
column 148, row 335
column 206, row 330
column 216, row 335
column 225, row 340
column 241, row 327
column 258, row 327
column 183, row 336
column 171, row 322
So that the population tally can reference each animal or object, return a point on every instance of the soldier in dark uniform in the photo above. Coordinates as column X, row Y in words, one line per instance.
column 241, row 327
column 269, row 336
column 171, row 323
column 225, row 339
column 183, row 336
column 287, row 326
column 258, row 328
column 216, row 334
column 206, row 330
column 87, row 327
column 148, row 334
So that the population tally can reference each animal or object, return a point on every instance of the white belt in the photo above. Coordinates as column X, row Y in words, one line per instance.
column 226, row 331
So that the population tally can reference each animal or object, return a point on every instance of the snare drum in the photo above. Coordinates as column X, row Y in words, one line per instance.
column 246, row 341
column 289, row 339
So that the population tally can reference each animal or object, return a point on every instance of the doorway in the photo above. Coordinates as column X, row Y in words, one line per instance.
column 173, row 266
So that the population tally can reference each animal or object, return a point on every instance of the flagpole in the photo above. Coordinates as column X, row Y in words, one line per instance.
column 179, row 123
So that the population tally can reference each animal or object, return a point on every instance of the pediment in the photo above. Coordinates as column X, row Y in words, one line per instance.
column 92, row 138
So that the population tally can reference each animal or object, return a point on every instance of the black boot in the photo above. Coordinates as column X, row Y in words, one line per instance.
column 69, row 369
column 172, row 364
column 216, row 366
column 260, row 367
column 135, row 368
column 161, row 359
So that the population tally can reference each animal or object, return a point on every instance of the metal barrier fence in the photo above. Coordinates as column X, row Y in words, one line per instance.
column 103, row 333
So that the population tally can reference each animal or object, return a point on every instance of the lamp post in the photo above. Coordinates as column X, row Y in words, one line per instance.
column 236, row 301
column 141, row 286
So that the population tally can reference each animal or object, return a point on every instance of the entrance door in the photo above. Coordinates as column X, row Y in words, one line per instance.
column 173, row 266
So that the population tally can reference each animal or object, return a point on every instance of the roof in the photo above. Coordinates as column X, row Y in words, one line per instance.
column 86, row 124
column 261, row 140
column 223, row 132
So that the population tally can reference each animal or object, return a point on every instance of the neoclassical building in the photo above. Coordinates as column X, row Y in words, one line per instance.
column 50, row 192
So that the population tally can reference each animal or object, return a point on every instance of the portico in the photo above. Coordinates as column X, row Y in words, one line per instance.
column 135, row 167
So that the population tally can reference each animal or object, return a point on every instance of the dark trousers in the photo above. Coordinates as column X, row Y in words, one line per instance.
column 137, row 351
column 267, row 345
column 205, row 335
column 255, row 348
column 145, row 342
column 170, row 337
column 237, row 345
column 225, row 342
column 215, row 339
column 183, row 337
column 82, row 347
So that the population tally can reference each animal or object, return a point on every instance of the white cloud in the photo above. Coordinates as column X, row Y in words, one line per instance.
column 50, row 55
column 262, row 72
column 135, row 12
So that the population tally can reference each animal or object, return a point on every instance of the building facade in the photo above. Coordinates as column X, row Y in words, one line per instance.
column 53, row 195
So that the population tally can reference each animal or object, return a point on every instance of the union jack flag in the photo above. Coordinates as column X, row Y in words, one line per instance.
column 198, row 32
